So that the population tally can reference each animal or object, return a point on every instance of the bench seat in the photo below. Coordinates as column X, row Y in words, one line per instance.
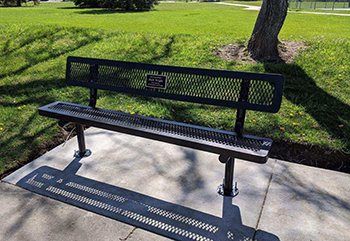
column 243, row 146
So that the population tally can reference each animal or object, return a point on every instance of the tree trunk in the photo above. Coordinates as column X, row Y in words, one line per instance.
column 19, row 3
column 264, row 40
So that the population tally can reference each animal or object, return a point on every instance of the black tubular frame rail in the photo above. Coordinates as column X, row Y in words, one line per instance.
column 240, row 90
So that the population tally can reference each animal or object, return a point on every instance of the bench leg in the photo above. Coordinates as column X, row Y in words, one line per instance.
column 81, row 142
column 228, row 181
column 227, row 188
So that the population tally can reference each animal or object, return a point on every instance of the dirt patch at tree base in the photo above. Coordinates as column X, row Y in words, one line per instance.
column 288, row 51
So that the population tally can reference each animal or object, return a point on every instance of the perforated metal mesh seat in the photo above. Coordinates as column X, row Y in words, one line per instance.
column 221, row 142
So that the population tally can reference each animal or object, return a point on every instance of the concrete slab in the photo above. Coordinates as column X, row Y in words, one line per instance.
column 306, row 203
column 166, row 189
column 143, row 235
column 26, row 216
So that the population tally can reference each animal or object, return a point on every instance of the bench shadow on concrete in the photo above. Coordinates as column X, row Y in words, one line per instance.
column 152, row 214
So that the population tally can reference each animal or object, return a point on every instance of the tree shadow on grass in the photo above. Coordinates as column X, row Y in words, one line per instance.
column 37, row 34
column 32, row 92
column 327, row 110
column 23, row 142
column 37, row 92
column 35, row 56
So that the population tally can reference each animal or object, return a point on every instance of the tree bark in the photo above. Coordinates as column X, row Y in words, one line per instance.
column 263, row 44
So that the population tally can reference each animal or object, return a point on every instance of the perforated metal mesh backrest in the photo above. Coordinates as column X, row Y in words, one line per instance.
column 243, row 90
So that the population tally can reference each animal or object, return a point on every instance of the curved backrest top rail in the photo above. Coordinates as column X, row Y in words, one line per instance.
column 241, row 90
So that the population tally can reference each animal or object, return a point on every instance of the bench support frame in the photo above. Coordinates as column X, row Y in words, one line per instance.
column 224, row 189
column 81, row 142
column 227, row 188
column 248, row 91
column 93, row 77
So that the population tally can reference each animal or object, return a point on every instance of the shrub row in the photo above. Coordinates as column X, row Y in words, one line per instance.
column 16, row 3
column 129, row 5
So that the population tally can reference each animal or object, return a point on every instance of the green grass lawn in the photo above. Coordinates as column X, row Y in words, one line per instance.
column 179, row 18
column 35, row 42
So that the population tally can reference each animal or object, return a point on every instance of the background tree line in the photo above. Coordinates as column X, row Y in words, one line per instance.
column 16, row 3
column 129, row 5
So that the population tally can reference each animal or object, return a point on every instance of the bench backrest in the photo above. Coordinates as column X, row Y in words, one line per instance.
column 241, row 90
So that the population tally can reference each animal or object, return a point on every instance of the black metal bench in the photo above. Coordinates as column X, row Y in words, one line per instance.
column 240, row 90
